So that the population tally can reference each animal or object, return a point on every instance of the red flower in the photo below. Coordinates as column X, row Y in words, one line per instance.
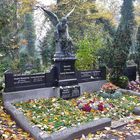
column 86, row 108
column 101, row 107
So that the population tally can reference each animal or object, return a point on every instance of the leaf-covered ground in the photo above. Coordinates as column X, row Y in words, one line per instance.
column 9, row 129
column 54, row 114
column 129, row 132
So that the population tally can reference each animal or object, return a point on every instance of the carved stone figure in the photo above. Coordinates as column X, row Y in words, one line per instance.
column 63, row 40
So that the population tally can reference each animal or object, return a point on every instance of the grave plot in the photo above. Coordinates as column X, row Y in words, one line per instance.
column 55, row 114
column 58, row 119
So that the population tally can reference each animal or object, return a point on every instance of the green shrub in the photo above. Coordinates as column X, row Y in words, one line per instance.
column 114, row 79
column 33, row 71
column 121, row 81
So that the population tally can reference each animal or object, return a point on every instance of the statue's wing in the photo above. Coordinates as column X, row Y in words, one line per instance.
column 70, row 12
column 52, row 16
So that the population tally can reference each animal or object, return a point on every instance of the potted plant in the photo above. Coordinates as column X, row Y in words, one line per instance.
column 109, row 90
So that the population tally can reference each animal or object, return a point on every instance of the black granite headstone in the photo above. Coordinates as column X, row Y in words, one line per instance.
column 130, row 72
column 92, row 75
column 26, row 82
column 9, row 81
column 66, row 77
column 65, row 71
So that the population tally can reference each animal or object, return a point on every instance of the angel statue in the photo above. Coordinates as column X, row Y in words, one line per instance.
column 63, row 40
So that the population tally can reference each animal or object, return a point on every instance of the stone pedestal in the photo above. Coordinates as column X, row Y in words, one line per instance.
column 65, row 77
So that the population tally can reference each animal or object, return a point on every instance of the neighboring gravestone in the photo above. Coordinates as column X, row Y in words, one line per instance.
column 24, row 82
column 64, row 60
column 130, row 72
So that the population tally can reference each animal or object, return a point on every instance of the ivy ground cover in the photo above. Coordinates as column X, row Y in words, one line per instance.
column 56, row 114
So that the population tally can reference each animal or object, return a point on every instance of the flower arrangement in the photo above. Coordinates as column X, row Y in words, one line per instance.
column 93, row 105
column 109, row 90
column 134, row 85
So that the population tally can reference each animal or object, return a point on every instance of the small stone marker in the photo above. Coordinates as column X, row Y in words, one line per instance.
column 70, row 92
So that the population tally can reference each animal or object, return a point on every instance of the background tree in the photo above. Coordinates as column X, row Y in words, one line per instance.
column 90, row 24
column 109, row 9
column 83, row 16
column 7, row 28
column 29, row 34
column 8, row 33
column 123, row 36
column 89, row 47
column 47, row 48
column 137, row 10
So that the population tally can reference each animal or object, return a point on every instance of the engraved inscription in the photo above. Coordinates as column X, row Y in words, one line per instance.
column 37, row 78
column 65, row 93
column 86, row 74
column 21, row 80
column 67, row 67
column 90, row 75
column 32, row 79
column 67, row 72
